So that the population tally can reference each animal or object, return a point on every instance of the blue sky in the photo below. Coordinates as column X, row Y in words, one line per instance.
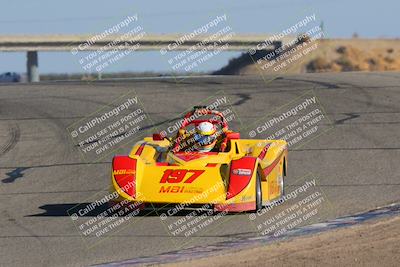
column 341, row 18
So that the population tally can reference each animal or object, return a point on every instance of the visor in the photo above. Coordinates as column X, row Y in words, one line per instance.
column 204, row 140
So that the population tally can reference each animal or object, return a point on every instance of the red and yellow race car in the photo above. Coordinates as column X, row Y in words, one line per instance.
column 236, row 175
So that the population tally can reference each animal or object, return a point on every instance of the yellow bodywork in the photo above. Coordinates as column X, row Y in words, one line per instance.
column 212, row 173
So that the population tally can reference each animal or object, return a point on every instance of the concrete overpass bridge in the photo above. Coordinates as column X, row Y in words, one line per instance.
column 32, row 44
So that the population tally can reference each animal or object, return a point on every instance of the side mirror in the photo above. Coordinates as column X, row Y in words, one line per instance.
column 158, row 137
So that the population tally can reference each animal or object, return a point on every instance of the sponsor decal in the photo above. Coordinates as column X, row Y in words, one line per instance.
column 243, row 172
column 175, row 176
column 179, row 175
column 180, row 189
column 124, row 171
column 171, row 189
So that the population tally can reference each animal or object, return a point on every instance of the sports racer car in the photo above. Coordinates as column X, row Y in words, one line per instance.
column 237, row 175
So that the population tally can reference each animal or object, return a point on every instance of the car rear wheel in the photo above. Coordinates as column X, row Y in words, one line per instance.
column 258, row 192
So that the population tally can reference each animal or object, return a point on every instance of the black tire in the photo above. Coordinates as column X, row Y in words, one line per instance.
column 284, row 173
column 258, row 192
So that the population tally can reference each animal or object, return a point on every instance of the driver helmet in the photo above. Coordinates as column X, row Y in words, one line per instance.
column 205, row 136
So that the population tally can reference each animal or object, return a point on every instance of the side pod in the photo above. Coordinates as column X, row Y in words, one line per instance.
column 240, row 175
column 124, row 174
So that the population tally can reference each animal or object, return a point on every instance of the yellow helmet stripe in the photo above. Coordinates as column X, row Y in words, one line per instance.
column 207, row 132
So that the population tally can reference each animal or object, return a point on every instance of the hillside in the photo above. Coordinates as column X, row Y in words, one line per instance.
column 327, row 55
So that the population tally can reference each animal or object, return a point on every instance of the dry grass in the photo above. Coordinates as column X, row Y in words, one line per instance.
column 351, row 58
column 331, row 55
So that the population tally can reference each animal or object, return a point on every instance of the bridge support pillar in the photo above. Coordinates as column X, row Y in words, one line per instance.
column 32, row 66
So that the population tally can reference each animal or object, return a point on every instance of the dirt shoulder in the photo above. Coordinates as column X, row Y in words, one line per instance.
column 375, row 243
column 324, row 55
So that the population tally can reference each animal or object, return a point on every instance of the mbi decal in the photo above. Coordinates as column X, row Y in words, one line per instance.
column 178, row 176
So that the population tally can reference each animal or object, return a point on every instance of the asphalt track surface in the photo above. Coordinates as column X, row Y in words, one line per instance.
column 42, row 174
